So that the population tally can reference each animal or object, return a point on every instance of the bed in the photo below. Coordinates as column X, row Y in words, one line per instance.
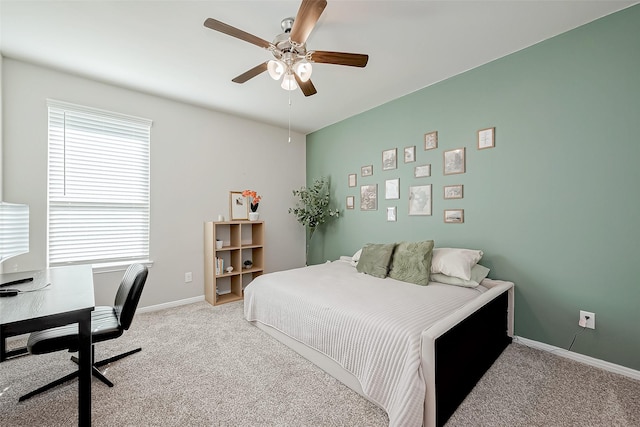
column 415, row 351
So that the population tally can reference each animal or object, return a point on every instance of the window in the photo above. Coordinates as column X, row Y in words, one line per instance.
column 98, row 186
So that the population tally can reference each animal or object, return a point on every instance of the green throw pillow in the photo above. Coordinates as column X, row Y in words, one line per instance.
column 375, row 258
column 412, row 262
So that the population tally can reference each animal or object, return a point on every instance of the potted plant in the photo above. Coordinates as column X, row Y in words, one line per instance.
column 253, row 206
column 312, row 208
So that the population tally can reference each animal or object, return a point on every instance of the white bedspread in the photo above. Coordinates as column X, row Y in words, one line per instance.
column 370, row 326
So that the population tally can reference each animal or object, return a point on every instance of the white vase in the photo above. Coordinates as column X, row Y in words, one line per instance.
column 254, row 216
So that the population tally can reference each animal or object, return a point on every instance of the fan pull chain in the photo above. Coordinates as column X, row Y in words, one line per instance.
column 289, row 117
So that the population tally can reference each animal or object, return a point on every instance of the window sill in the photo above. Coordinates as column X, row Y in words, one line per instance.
column 109, row 267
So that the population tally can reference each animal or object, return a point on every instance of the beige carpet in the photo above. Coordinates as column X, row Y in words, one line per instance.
column 205, row 366
column 527, row 387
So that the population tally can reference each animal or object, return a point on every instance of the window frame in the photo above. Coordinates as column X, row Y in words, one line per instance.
column 122, row 206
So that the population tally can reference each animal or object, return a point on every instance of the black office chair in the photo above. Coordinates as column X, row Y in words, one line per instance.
column 106, row 323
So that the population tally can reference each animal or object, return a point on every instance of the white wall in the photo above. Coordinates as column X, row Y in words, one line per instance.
column 197, row 157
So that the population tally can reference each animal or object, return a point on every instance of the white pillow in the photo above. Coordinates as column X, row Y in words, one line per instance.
column 478, row 274
column 455, row 262
column 356, row 257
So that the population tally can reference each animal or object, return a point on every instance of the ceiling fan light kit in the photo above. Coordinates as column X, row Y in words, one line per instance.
column 302, row 68
column 292, row 60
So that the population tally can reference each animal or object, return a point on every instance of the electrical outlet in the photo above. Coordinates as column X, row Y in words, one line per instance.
column 587, row 319
column 188, row 277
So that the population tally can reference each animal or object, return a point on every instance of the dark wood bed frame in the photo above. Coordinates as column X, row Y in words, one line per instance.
column 465, row 353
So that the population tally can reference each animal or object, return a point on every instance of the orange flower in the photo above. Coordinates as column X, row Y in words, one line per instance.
column 255, row 199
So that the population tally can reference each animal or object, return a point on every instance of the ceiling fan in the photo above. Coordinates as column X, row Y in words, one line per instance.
column 292, row 60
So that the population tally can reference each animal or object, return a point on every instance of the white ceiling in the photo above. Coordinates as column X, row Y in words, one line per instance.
column 162, row 47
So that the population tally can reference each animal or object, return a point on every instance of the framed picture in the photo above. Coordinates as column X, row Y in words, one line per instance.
column 422, row 171
column 369, row 197
column 366, row 170
column 351, row 202
column 352, row 179
column 238, row 206
column 431, row 140
column 454, row 161
column 454, row 216
column 390, row 159
column 392, row 189
column 486, row 138
column 410, row 154
column 420, row 200
column 392, row 214
column 453, row 191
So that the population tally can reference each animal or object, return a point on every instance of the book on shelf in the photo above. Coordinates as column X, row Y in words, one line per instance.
column 219, row 266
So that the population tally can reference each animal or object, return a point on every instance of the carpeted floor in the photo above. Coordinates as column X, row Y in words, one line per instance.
column 527, row 387
column 205, row 366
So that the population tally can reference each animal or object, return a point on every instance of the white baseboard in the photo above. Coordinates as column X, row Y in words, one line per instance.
column 587, row 360
column 170, row 304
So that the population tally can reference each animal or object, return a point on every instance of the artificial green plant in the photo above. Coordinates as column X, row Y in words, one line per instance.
column 312, row 208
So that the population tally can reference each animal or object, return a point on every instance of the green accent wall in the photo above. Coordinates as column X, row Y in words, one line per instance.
column 554, row 206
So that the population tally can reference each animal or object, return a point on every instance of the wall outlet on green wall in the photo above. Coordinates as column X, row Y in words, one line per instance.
column 587, row 319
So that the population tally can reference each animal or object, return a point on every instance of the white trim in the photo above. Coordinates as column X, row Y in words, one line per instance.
column 587, row 360
column 110, row 267
column 170, row 304
column 91, row 110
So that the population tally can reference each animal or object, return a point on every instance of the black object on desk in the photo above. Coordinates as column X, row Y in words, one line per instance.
column 69, row 300
column 8, row 292
column 16, row 282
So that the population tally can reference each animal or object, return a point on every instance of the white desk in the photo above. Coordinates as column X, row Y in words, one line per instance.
column 69, row 299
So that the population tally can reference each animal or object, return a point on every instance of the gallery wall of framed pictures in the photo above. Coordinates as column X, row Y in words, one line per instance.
column 419, row 192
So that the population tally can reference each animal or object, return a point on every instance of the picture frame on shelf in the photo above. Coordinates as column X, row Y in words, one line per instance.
column 454, row 216
column 420, row 199
column 410, row 154
column 369, row 197
column 392, row 189
column 238, row 206
column 486, row 138
column 353, row 179
column 351, row 202
column 453, row 191
column 431, row 140
column 422, row 171
column 454, row 161
column 390, row 159
column 392, row 214
column 366, row 170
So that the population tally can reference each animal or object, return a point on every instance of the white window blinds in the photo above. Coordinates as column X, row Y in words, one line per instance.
column 14, row 230
column 98, row 185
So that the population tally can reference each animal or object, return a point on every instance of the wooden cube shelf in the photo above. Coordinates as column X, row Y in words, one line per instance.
column 241, row 241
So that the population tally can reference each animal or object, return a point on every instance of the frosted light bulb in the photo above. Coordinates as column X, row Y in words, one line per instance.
column 289, row 82
column 303, row 69
column 275, row 69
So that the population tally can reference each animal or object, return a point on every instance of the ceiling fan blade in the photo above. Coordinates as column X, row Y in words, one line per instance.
column 339, row 58
column 251, row 73
column 308, row 14
column 307, row 87
column 234, row 32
